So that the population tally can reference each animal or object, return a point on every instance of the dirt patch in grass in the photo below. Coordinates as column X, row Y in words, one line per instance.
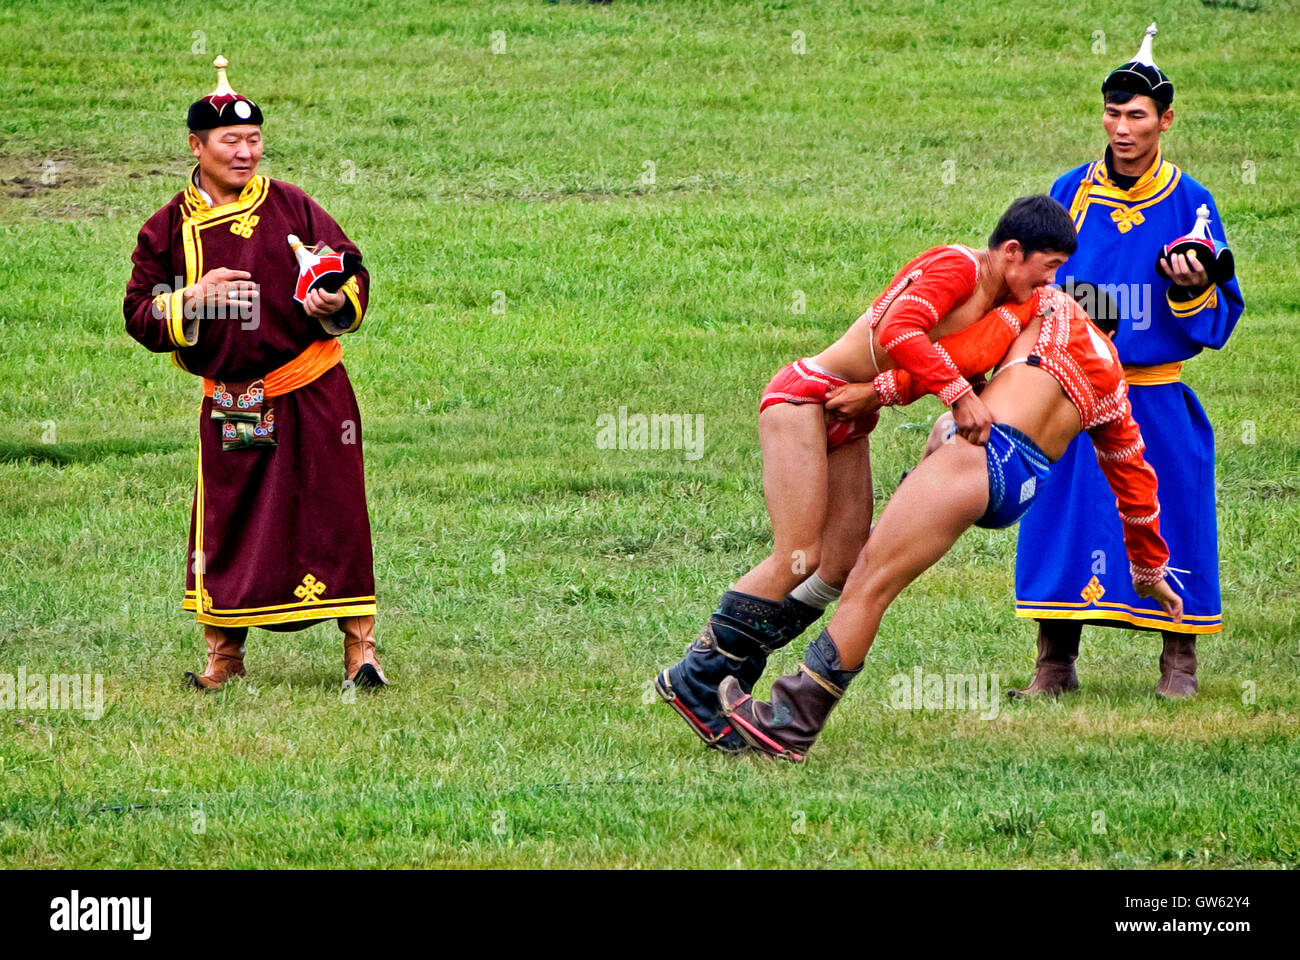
column 53, row 187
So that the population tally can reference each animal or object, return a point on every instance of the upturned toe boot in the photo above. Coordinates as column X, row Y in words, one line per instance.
column 360, row 665
column 734, row 643
column 225, row 657
column 788, row 724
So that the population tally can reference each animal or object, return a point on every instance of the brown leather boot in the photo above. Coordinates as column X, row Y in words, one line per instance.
column 1058, row 648
column 800, row 703
column 360, row 665
column 225, row 657
column 1178, row 667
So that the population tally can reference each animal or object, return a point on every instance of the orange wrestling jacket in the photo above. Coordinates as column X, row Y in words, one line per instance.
column 921, row 293
column 1084, row 362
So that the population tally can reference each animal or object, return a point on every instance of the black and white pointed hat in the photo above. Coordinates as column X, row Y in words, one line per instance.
column 1141, row 75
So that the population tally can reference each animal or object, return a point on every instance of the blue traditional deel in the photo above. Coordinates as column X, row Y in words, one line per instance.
column 1072, row 564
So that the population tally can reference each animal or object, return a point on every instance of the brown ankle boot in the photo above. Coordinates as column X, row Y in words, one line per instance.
column 225, row 657
column 1058, row 648
column 1178, row 667
column 800, row 703
column 360, row 665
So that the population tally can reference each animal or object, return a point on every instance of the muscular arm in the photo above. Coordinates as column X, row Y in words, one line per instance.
column 903, row 332
column 973, row 351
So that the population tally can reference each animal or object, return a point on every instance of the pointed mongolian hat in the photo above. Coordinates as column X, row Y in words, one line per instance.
column 1141, row 75
column 321, row 268
column 222, row 107
column 1199, row 245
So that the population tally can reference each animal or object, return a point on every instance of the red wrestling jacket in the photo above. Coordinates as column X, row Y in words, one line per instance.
column 920, row 294
column 1084, row 362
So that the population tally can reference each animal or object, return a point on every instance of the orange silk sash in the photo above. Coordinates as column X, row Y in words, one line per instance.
column 316, row 360
column 1161, row 373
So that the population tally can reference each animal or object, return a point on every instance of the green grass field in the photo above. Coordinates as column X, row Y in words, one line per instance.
column 650, row 186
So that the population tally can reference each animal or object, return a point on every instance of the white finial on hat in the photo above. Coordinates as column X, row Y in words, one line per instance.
column 1202, row 229
column 1144, row 51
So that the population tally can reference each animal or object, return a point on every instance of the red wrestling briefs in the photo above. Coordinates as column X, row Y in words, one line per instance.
column 805, row 382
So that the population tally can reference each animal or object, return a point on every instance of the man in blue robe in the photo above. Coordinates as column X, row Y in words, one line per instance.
column 1070, row 567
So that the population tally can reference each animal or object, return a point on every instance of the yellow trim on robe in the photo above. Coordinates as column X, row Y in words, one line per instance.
column 351, row 288
column 1187, row 308
column 1151, row 188
column 198, row 525
column 196, row 208
column 198, row 216
column 1144, row 611
column 1167, row 626
column 190, row 595
column 318, row 612
column 176, row 318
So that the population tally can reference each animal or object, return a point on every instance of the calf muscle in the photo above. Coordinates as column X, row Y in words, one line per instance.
column 939, row 500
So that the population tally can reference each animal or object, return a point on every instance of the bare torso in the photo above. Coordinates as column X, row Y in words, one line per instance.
column 1029, row 398
column 858, row 357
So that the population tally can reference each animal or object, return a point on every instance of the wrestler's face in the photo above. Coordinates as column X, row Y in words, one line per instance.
column 1023, row 274
column 229, row 157
column 1134, row 128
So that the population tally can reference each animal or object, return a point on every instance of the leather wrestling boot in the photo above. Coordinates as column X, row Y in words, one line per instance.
column 788, row 725
column 734, row 643
column 225, row 657
column 1178, row 667
column 799, row 616
column 360, row 665
column 1058, row 648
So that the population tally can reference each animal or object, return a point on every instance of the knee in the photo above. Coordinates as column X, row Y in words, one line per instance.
column 942, row 432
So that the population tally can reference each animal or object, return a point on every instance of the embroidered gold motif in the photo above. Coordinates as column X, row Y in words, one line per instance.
column 1094, row 591
column 243, row 226
column 207, row 601
column 309, row 590
column 1126, row 218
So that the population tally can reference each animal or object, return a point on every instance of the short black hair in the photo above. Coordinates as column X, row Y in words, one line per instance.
column 202, row 135
column 1124, row 96
column 1098, row 304
column 1038, row 223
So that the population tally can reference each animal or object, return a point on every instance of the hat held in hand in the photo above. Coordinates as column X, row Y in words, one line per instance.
column 323, row 269
column 1200, row 247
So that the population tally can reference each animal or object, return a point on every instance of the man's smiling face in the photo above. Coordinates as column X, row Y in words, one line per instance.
column 229, row 156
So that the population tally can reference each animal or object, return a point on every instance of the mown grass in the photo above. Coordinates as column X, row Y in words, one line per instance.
column 530, row 582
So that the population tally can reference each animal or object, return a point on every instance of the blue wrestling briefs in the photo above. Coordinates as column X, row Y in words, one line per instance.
column 1017, row 472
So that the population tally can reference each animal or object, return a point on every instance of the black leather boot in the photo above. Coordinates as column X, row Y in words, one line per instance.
column 734, row 643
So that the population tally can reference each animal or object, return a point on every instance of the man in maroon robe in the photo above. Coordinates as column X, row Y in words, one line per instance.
column 279, row 535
